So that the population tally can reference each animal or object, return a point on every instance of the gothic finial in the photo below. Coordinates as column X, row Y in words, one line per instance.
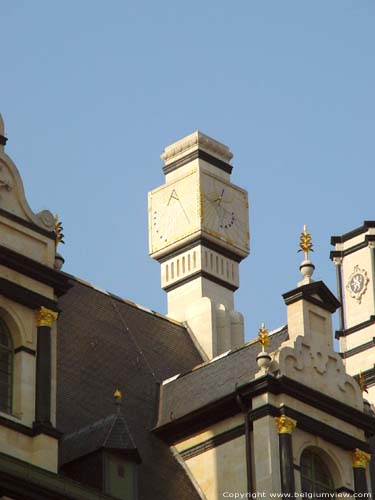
column 58, row 231
column 306, row 246
column 305, row 243
column 263, row 336
column 263, row 359
column 118, row 396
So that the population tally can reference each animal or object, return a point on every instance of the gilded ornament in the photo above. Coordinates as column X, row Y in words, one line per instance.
column 360, row 459
column 117, row 395
column 305, row 243
column 46, row 317
column 263, row 336
column 58, row 232
column 361, row 382
column 285, row 425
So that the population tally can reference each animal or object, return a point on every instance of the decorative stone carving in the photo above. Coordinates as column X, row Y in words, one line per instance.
column 357, row 283
column 13, row 197
column 47, row 219
column 319, row 367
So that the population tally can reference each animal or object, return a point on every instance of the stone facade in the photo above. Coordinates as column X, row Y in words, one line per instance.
column 205, row 416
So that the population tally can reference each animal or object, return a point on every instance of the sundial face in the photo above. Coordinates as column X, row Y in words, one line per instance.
column 173, row 212
column 225, row 211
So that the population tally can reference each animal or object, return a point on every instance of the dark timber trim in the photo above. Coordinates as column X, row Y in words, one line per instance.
column 263, row 411
column 360, row 481
column 372, row 465
column 25, row 296
column 200, row 274
column 286, row 465
column 245, row 408
column 310, row 425
column 358, row 349
column 354, row 248
column 355, row 328
column 369, row 377
column 60, row 282
column 201, row 240
column 213, row 442
column 22, row 222
column 43, row 377
column 355, row 232
column 21, row 480
column 227, row 406
column 304, row 422
column 308, row 292
column 343, row 253
column 341, row 295
column 29, row 431
column 327, row 432
column 45, row 428
column 202, row 155
column 23, row 348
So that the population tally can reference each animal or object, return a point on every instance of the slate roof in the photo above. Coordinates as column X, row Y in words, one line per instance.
column 105, row 343
column 110, row 433
column 212, row 380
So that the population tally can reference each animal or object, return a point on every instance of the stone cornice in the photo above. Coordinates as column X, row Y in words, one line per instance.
column 197, row 140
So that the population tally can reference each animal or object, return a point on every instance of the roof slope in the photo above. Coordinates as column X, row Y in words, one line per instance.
column 212, row 381
column 105, row 343
column 111, row 433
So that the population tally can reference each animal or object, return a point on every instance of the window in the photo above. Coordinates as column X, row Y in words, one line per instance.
column 315, row 475
column 120, row 477
column 6, row 368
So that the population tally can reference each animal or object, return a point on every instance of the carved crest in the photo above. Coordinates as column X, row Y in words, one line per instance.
column 357, row 283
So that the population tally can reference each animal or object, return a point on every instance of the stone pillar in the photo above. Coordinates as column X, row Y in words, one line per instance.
column 360, row 461
column 45, row 320
column 285, row 426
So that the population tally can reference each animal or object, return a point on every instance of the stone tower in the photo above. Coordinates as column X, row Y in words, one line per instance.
column 354, row 256
column 199, row 233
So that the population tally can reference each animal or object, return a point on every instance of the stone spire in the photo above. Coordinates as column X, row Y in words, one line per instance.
column 199, row 232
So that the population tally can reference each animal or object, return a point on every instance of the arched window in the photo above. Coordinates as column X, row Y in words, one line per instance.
column 6, row 368
column 315, row 474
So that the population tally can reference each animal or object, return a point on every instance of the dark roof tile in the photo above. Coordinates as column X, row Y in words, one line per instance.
column 105, row 343
column 212, row 381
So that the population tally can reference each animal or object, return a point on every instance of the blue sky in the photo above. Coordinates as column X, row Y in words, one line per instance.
column 91, row 92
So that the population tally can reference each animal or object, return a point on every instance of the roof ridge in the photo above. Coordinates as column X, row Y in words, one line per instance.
column 110, row 431
column 125, row 301
column 134, row 340
column 250, row 343
column 89, row 427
